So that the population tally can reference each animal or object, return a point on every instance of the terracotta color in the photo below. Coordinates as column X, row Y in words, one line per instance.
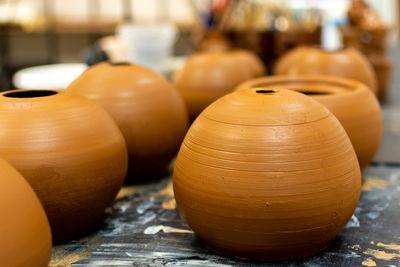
column 347, row 63
column 147, row 108
column 353, row 104
column 266, row 176
column 383, row 68
column 25, row 232
column 69, row 150
column 206, row 76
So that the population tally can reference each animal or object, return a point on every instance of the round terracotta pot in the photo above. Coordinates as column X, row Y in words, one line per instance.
column 267, row 174
column 147, row 108
column 24, row 229
column 206, row 76
column 69, row 150
column 353, row 104
column 347, row 63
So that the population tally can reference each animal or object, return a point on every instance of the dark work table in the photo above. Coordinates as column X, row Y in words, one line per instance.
column 143, row 227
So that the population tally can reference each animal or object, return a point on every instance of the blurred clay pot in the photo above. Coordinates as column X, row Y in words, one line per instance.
column 206, row 76
column 69, row 150
column 147, row 108
column 353, row 104
column 347, row 63
column 383, row 67
column 267, row 174
column 24, row 229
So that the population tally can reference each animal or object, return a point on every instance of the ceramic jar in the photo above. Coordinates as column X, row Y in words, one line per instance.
column 24, row 229
column 268, row 174
column 347, row 63
column 147, row 108
column 353, row 104
column 207, row 76
column 69, row 150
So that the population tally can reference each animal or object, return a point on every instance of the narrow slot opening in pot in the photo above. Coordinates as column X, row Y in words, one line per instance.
column 313, row 92
column 30, row 93
column 265, row 91
column 122, row 63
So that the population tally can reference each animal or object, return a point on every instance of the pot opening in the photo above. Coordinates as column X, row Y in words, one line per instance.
column 266, row 92
column 30, row 93
column 120, row 63
column 313, row 92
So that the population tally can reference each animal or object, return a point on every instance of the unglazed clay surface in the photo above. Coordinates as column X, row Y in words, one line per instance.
column 353, row 104
column 25, row 237
column 147, row 108
column 347, row 63
column 207, row 76
column 266, row 174
column 69, row 150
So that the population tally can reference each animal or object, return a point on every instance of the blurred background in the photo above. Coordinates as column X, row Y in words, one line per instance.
column 72, row 34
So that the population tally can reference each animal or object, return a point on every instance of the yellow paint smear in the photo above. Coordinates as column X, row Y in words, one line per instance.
column 382, row 255
column 368, row 262
column 131, row 189
column 356, row 247
column 389, row 246
column 62, row 257
column 373, row 182
column 168, row 190
column 169, row 204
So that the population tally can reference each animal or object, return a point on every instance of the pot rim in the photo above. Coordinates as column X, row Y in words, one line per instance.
column 315, row 85
column 30, row 95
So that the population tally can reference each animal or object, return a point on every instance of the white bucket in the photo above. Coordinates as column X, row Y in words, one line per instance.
column 148, row 45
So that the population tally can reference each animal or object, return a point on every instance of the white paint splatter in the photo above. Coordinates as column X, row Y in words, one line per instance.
column 142, row 207
column 197, row 263
column 152, row 230
column 147, row 217
column 373, row 215
column 354, row 222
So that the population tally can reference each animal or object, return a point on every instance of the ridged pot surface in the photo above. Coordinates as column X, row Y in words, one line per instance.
column 69, row 150
column 267, row 174
column 353, row 104
column 346, row 63
column 25, row 232
column 147, row 108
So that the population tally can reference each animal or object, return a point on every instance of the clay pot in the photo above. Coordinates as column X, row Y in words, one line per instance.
column 24, row 229
column 147, row 108
column 347, row 63
column 383, row 67
column 69, row 150
column 353, row 104
column 207, row 76
column 266, row 174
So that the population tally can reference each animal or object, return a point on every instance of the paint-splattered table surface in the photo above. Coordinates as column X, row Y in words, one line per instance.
column 143, row 228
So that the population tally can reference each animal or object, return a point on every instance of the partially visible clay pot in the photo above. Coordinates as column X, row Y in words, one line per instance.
column 69, row 150
column 207, row 76
column 25, row 237
column 353, row 104
column 383, row 67
column 347, row 63
column 147, row 108
column 266, row 173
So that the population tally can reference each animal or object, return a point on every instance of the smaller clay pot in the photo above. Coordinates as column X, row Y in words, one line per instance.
column 69, row 150
column 25, row 237
column 206, row 76
column 353, row 104
column 147, row 108
column 347, row 63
